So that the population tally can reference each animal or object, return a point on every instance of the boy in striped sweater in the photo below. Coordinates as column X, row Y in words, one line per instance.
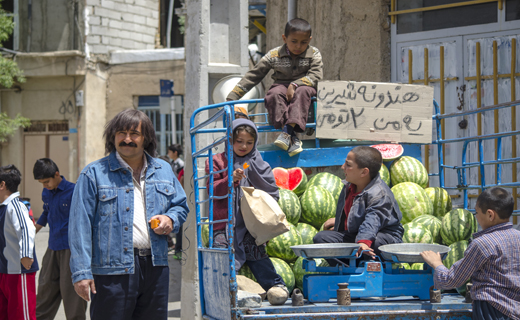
column 18, row 263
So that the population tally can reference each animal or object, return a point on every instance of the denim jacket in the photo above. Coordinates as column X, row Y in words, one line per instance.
column 373, row 210
column 102, row 214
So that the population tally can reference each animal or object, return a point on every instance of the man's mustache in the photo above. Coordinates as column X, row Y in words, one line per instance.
column 124, row 144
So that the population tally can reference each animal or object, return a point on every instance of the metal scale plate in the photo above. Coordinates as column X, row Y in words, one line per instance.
column 370, row 278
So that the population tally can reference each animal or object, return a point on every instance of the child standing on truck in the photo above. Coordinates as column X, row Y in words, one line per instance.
column 367, row 212
column 492, row 260
column 18, row 263
column 259, row 175
column 297, row 69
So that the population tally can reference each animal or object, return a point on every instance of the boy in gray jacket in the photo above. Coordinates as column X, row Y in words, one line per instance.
column 297, row 69
column 367, row 212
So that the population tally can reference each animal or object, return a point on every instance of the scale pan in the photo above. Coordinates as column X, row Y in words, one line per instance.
column 326, row 250
column 411, row 252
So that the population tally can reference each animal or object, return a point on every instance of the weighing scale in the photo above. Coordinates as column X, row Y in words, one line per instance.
column 369, row 278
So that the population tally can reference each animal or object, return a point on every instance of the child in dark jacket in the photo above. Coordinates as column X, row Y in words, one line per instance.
column 367, row 212
column 297, row 69
column 259, row 175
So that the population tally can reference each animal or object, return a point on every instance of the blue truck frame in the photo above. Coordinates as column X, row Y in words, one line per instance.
column 217, row 274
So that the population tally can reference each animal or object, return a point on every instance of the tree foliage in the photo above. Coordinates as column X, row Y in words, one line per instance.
column 9, row 73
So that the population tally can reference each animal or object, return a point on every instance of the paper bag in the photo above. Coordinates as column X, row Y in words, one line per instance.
column 263, row 216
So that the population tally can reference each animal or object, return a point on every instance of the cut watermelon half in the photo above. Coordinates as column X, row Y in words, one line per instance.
column 389, row 151
column 293, row 179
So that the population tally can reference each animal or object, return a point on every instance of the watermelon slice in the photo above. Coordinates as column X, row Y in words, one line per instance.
column 293, row 179
column 389, row 151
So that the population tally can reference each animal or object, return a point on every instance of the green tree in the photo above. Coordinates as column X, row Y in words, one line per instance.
column 9, row 73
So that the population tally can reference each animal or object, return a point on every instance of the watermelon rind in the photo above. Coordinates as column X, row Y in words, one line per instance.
column 246, row 271
column 283, row 177
column 284, row 270
column 432, row 224
column 384, row 173
column 205, row 235
column 328, row 181
column 456, row 253
column 280, row 246
column 290, row 205
column 458, row 225
column 318, row 206
column 389, row 151
column 441, row 201
column 307, row 232
column 299, row 272
column 412, row 200
column 416, row 233
column 408, row 169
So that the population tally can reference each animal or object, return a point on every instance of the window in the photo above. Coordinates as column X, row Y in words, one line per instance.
column 512, row 10
column 10, row 7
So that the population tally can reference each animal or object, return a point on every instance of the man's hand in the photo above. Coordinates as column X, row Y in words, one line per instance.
column 82, row 288
column 290, row 92
column 364, row 247
column 27, row 262
column 165, row 225
column 329, row 224
column 432, row 258
column 38, row 227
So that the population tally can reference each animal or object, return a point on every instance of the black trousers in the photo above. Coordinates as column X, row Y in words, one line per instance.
column 483, row 310
column 328, row 236
column 139, row 296
column 265, row 273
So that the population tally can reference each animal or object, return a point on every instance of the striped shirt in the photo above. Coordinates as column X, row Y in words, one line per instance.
column 16, row 236
column 492, row 261
column 141, row 237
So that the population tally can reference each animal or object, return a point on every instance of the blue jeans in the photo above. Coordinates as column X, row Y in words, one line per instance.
column 139, row 296
column 265, row 273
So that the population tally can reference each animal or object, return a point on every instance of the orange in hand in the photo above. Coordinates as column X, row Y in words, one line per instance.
column 245, row 165
column 154, row 223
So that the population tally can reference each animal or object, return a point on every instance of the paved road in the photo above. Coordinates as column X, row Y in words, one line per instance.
column 174, row 307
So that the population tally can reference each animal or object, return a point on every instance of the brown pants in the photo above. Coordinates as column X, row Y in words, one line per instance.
column 55, row 284
column 282, row 112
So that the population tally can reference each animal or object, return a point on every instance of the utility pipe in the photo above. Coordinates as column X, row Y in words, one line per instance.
column 169, row 27
column 292, row 6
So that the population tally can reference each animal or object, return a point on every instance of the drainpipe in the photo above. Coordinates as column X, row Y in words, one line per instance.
column 292, row 6
column 29, row 17
column 169, row 27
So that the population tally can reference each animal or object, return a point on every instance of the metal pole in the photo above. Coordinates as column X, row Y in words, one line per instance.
column 291, row 9
column 169, row 27
column 174, row 129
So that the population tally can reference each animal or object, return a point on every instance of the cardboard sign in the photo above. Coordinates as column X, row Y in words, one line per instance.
column 374, row 111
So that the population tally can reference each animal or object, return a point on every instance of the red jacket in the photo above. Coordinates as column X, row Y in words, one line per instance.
column 220, row 188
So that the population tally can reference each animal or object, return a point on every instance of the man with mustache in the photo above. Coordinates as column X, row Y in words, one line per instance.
column 115, row 253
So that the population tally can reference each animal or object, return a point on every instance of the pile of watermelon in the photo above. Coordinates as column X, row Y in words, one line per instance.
column 428, row 216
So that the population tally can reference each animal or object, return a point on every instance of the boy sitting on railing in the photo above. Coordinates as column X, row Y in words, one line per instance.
column 297, row 69
column 492, row 260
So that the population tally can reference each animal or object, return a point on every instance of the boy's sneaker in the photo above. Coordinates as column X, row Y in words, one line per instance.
column 283, row 141
column 296, row 147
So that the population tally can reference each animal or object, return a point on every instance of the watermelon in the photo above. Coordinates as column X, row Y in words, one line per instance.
column 417, row 266
column 205, row 235
column 401, row 265
column 384, row 174
column 293, row 179
column 280, row 246
column 441, row 201
column 432, row 224
column 389, row 151
column 285, row 271
column 412, row 200
column 458, row 225
column 463, row 289
column 456, row 253
column 246, row 271
column 318, row 206
column 416, row 233
column 307, row 232
column 408, row 169
column 290, row 205
column 328, row 181
column 299, row 272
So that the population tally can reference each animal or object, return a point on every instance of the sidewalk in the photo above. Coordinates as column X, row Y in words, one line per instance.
column 174, row 308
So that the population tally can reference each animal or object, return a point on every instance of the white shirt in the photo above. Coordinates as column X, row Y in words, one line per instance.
column 141, row 236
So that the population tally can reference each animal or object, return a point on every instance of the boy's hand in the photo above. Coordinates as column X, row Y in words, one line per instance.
column 329, row 224
column 238, row 175
column 363, row 247
column 27, row 262
column 432, row 258
column 290, row 92
column 82, row 287
column 38, row 227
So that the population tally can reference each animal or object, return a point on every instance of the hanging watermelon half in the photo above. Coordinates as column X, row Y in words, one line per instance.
column 389, row 151
column 293, row 179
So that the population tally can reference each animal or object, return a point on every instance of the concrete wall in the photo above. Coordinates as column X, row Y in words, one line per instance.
column 130, row 80
column 52, row 25
column 121, row 24
column 353, row 36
